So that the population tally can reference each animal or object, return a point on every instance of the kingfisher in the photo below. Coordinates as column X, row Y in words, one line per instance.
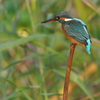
column 74, row 29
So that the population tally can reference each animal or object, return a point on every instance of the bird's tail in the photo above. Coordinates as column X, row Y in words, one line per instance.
column 88, row 46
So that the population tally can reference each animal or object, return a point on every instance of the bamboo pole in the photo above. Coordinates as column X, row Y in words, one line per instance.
column 65, row 94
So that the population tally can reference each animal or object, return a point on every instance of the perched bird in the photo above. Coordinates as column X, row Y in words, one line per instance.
column 74, row 29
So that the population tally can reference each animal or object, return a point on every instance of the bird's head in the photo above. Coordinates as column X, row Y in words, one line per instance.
column 61, row 17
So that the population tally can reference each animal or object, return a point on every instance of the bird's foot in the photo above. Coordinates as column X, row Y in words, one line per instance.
column 73, row 44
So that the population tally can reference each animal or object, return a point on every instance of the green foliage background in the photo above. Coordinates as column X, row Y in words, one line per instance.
column 34, row 56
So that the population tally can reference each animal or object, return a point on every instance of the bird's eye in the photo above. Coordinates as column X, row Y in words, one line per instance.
column 57, row 18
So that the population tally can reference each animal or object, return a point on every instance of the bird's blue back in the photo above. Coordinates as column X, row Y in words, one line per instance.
column 77, row 29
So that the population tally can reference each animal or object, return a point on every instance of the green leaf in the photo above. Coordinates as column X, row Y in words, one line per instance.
column 9, row 81
column 15, row 62
column 6, row 45
column 25, row 88
column 27, row 39
column 75, row 78
column 20, row 89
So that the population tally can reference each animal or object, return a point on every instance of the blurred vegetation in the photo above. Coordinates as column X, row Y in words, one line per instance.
column 34, row 56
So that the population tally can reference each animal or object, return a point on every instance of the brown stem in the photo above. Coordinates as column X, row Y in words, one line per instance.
column 65, row 94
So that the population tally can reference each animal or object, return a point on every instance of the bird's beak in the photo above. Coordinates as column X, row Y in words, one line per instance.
column 50, row 20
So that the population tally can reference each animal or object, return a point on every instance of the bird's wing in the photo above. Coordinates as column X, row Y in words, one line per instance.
column 80, row 26
column 77, row 31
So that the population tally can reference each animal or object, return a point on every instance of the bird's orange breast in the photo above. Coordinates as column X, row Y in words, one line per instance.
column 70, row 38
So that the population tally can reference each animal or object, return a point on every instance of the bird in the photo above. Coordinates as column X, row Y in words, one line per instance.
column 74, row 29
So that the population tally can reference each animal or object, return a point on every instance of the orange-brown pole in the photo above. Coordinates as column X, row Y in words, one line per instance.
column 65, row 94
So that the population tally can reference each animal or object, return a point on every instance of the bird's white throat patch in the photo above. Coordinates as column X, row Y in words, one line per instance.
column 68, row 19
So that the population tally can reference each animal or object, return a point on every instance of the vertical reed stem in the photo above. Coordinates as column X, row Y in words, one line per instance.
column 39, row 60
column 65, row 94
